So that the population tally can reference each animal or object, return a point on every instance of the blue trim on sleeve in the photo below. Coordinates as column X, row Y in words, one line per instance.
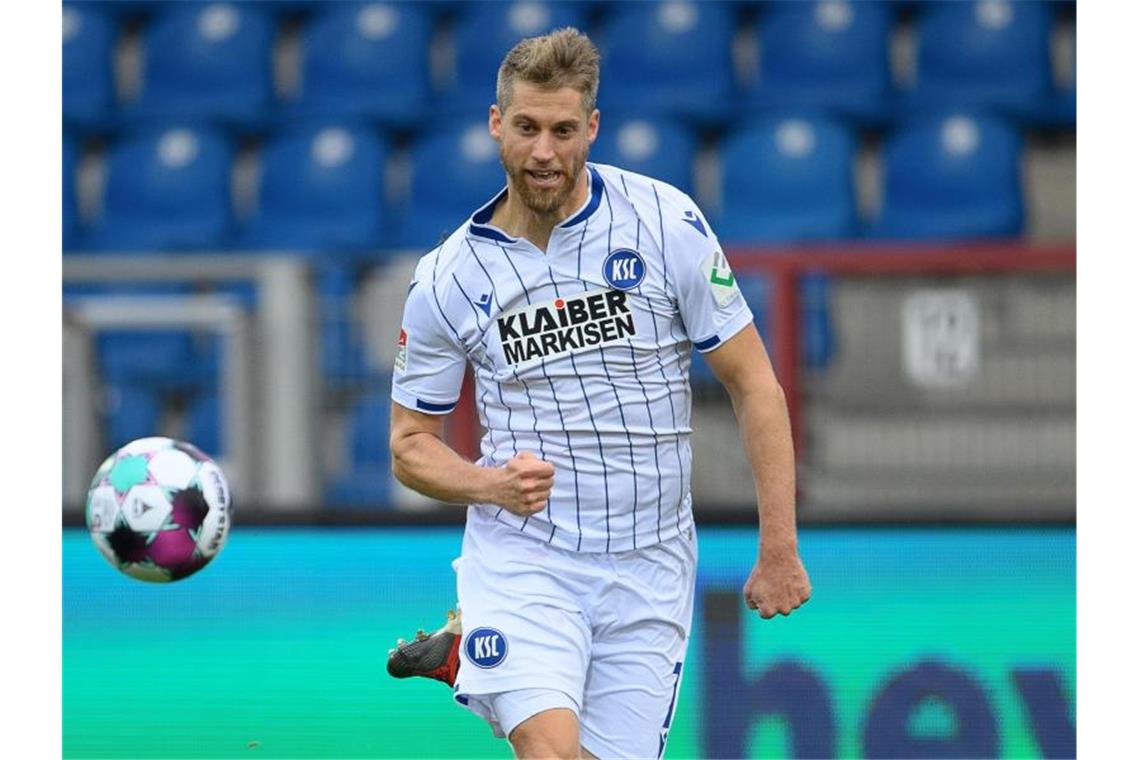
column 705, row 345
column 436, row 408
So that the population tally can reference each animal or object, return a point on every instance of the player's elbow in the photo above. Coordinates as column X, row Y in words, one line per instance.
column 399, row 448
column 398, row 471
column 404, row 473
column 759, row 385
column 772, row 396
column 774, row 392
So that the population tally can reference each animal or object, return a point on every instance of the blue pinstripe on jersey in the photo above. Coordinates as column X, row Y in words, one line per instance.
column 593, row 423
column 526, row 390
column 602, row 355
column 557, row 406
column 484, row 418
column 684, row 386
column 648, row 408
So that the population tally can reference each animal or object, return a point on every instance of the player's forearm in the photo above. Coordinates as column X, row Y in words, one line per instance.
column 765, row 429
column 426, row 464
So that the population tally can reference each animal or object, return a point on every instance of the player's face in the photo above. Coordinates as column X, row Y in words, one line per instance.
column 544, row 137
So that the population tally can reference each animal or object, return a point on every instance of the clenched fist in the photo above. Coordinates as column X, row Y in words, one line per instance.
column 524, row 484
column 777, row 585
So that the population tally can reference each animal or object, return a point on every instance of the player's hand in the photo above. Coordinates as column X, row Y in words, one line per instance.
column 778, row 584
column 524, row 484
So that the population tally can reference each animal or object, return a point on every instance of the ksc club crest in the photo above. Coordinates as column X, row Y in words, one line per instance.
column 486, row 647
column 624, row 269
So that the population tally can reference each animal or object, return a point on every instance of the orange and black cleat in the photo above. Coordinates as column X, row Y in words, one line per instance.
column 431, row 656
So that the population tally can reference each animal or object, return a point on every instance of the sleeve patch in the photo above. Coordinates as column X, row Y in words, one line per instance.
column 720, row 279
column 402, row 351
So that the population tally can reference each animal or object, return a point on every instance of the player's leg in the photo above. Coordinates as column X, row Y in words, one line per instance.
column 547, row 734
column 631, row 695
column 637, row 659
column 526, row 642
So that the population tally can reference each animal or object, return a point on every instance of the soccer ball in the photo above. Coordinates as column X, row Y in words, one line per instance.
column 159, row 509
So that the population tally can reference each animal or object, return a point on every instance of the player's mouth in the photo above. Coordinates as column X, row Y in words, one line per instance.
column 545, row 179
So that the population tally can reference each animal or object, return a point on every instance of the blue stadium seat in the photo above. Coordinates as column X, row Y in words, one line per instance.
column 128, row 9
column 208, row 61
column 167, row 359
column 145, row 357
column 166, row 189
column 787, row 180
column 984, row 54
column 132, row 412
column 322, row 189
column 817, row 337
column 365, row 59
column 368, row 482
column 830, row 56
column 951, row 177
column 205, row 423
column 369, row 430
column 454, row 171
column 668, row 57
column 486, row 31
column 342, row 352
column 70, row 210
column 1060, row 110
column 243, row 292
column 660, row 148
column 89, row 39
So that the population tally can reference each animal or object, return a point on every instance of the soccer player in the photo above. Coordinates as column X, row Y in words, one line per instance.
column 576, row 294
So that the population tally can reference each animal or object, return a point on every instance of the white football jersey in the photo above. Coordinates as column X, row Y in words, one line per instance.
column 580, row 354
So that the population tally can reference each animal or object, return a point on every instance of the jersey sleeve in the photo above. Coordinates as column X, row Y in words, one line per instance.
column 711, row 304
column 430, row 361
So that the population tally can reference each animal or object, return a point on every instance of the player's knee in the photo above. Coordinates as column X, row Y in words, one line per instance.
column 549, row 734
column 536, row 746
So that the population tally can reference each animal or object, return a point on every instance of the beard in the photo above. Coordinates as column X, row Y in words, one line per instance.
column 543, row 201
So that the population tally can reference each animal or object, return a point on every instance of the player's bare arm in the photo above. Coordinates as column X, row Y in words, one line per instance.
column 778, row 582
column 422, row 461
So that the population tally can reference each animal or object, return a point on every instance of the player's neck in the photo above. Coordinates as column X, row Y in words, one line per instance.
column 517, row 219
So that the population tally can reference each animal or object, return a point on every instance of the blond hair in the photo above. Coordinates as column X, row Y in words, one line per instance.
column 563, row 58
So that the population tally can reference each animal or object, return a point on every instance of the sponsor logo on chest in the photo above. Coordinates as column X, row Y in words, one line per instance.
column 565, row 325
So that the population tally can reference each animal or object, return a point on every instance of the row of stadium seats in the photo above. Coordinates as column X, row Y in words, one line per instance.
column 255, row 64
column 326, row 188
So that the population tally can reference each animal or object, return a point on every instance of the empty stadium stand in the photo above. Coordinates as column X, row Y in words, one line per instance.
column 352, row 136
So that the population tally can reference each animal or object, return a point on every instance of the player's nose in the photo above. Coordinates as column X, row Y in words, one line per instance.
column 543, row 150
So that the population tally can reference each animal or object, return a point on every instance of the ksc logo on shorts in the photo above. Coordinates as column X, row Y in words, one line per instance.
column 624, row 269
column 486, row 647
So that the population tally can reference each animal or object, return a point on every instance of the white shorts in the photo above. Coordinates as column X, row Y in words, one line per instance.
column 601, row 634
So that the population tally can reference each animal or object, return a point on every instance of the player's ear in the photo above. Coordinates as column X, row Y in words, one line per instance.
column 495, row 122
column 592, row 125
